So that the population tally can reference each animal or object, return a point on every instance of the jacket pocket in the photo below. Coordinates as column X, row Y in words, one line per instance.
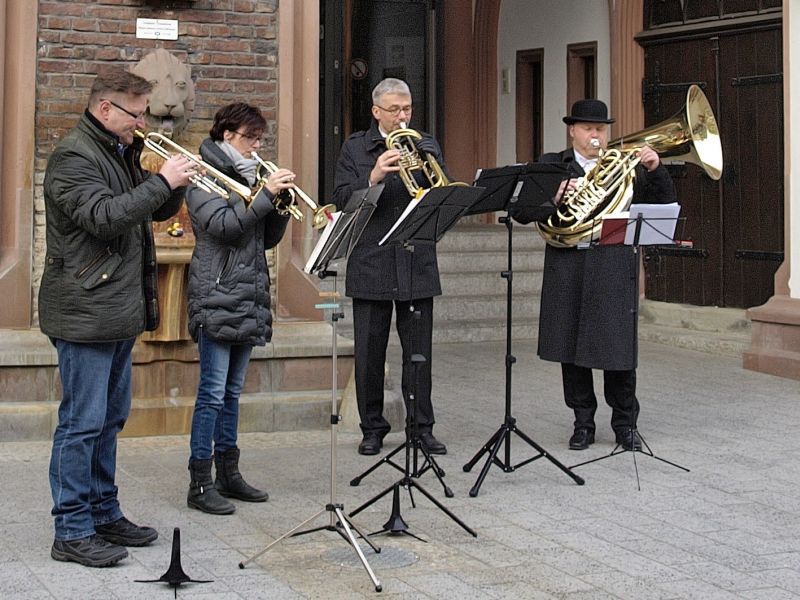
column 99, row 270
column 225, row 269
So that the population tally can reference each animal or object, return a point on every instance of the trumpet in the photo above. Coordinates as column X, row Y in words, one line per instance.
column 165, row 148
column 285, row 201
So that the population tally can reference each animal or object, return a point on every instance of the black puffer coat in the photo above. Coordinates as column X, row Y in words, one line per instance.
column 99, row 282
column 228, row 275
column 385, row 272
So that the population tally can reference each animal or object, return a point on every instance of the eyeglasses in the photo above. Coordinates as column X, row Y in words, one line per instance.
column 396, row 110
column 134, row 116
column 249, row 137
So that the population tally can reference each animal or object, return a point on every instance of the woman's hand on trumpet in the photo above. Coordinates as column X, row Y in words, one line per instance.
column 178, row 170
column 282, row 179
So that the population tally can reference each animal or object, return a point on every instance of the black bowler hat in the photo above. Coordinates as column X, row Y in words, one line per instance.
column 588, row 111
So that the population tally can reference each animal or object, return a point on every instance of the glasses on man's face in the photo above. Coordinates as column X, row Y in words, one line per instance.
column 132, row 115
column 396, row 110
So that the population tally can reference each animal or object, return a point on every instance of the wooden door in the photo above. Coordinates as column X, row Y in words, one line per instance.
column 736, row 224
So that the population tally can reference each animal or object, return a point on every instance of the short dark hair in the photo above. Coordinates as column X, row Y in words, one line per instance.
column 118, row 80
column 233, row 116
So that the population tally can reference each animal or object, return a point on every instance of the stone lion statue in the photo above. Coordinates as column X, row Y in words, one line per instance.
column 172, row 100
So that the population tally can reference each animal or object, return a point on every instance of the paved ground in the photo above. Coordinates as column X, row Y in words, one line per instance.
column 727, row 529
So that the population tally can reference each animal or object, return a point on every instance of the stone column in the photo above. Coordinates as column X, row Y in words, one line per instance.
column 775, row 342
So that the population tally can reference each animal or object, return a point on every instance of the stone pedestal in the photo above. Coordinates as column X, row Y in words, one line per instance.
column 775, row 343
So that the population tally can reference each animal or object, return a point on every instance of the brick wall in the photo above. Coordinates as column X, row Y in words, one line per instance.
column 230, row 45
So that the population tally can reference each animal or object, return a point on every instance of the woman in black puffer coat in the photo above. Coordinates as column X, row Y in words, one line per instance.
column 229, row 303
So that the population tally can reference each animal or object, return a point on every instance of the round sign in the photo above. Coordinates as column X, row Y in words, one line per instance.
column 358, row 68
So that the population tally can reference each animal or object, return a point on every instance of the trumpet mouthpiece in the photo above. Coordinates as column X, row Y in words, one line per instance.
column 402, row 124
column 595, row 143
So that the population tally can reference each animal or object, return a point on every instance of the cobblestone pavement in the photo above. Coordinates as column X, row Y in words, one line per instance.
column 726, row 529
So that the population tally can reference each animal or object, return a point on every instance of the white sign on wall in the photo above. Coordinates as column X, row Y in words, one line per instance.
column 157, row 29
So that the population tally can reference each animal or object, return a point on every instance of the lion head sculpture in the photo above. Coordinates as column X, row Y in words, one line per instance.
column 172, row 100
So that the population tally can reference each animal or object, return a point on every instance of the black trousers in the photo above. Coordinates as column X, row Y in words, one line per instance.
column 619, row 388
column 372, row 320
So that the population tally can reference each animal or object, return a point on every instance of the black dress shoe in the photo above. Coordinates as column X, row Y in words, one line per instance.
column 124, row 533
column 581, row 438
column 433, row 445
column 629, row 440
column 371, row 444
column 92, row 551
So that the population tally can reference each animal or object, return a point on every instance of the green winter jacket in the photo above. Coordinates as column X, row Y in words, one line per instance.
column 99, row 281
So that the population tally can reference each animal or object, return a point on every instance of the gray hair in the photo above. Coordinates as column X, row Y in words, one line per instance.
column 390, row 85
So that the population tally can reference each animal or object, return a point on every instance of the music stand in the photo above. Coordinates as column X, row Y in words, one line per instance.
column 424, row 221
column 646, row 228
column 526, row 191
column 337, row 241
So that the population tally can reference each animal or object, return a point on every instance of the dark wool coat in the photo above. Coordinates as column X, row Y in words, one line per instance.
column 590, row 297
column 228, row 275
column 99, row 281
column 385, row 272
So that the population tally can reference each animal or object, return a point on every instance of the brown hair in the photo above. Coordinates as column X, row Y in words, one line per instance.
column 233, row 116
column 118, row 80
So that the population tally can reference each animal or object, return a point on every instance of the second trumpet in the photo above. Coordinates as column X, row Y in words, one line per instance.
column 286, row 200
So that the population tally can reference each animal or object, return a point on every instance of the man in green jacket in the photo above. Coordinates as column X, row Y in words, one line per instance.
column 98, row 292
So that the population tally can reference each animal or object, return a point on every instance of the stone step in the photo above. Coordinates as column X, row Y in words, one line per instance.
column 489, row 329
column 698, row 318
column 711, row 342
column 490, row 282
column 479, row 260
column 492, row 238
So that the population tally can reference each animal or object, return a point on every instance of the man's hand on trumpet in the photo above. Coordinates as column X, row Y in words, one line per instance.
column 178, row 170
column 282, row 179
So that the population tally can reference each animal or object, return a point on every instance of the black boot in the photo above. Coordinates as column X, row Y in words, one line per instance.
column 229, row 481
column 202, row 493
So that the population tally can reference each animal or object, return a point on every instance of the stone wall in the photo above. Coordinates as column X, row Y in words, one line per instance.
column 230, row 45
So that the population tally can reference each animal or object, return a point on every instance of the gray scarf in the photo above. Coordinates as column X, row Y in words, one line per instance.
column 246, row 167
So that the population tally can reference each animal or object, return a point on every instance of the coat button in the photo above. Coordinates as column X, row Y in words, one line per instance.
column 104, row 276
column 50, row 261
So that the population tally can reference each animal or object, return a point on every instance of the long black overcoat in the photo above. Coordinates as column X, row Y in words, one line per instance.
column 387, row 272
column 590, row 297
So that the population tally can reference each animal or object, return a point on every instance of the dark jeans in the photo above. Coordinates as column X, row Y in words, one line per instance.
column 619, row 388
column 95, row 402
column 372, row 321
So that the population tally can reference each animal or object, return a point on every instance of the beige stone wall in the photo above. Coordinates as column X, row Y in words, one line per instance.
column 230, row 45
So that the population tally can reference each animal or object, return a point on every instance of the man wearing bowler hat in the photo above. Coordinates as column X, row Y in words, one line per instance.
column 589, row 304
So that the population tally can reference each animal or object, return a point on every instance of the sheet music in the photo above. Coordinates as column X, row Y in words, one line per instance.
column 408, row 210
column 323, row 238
column 658, row 226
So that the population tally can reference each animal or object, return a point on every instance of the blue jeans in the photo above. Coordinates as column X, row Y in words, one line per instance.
column 216, row 410
column 96, row 400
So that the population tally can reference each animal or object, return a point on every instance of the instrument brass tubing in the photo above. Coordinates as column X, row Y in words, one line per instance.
column 166, row 148
column 411, row 159
column 691, row 135
column 286, row 200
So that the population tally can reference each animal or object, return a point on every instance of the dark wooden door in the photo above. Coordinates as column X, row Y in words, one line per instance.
column 736, row 224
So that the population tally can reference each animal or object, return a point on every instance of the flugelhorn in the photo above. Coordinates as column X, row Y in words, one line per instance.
column 207, row 178
column 285, row 201
column 411, row 159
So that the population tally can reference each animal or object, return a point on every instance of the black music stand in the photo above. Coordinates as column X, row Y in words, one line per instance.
column 424, row 221
column 337, row 241
column 636, row 231
column 526, row 193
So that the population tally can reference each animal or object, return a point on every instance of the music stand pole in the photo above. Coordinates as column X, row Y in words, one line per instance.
column 633, row 430
column 443, row 206
column 502, row 437
column 550, row 177
column 338, row 522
